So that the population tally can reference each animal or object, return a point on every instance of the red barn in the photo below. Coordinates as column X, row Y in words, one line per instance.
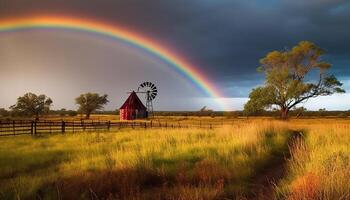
column 133, row 108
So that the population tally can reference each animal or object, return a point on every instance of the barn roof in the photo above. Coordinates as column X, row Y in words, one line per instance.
column 133, row 102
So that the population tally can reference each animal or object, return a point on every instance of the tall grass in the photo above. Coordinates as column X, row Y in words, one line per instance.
column 320, row 165
column 138, row 164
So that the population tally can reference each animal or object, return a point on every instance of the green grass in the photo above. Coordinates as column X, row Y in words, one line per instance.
column 138, row 164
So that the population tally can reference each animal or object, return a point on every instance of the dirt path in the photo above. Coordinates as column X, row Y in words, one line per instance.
column 265, row 181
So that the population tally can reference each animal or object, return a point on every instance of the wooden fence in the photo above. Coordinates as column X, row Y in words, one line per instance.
column 23, row 127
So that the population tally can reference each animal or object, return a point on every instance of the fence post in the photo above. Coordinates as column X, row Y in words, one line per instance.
column 200, row 124
column 211, row 126
column 151, row 124
column 50, row 127
column 31, row 127
column 109, row 125
column 14, row 127
column 73, row 126
column 35, row 127
column 63, row 127
column 145, row 124
column 83, row 125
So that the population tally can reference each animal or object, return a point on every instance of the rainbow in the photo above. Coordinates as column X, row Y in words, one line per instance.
column 115, row 32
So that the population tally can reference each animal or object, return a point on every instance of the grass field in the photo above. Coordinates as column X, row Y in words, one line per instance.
column 187, row 164
column 320, row 165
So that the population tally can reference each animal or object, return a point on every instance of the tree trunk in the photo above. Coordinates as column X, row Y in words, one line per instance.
column 284, row 113
column 36, row 116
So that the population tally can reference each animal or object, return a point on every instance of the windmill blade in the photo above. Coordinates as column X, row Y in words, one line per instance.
column 154, row 94
column 150, row 89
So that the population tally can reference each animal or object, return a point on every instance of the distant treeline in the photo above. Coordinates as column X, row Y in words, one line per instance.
column 230, row 114
column 62, row 112
column 233, row 114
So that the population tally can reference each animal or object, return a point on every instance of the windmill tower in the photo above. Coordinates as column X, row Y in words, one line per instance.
column 150, row 91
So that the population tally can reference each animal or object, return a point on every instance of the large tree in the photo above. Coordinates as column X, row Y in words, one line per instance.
column 32, row 105
column 90, row 102
column 290, row 79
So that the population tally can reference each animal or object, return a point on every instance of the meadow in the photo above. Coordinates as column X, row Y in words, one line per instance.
column 230, row 162
column 319, row 167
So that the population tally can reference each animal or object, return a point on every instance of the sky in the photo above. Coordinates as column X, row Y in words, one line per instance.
column 223, row 39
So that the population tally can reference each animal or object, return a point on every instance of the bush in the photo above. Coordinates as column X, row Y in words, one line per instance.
column 72, row 113
column 4, row 112
column 342, row 115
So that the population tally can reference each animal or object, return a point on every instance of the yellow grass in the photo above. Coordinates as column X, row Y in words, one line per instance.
column 179, row 163
column 138, row 164
column 320, row 165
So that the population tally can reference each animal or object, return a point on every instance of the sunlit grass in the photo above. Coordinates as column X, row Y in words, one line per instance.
column 320, row 165
column 178, row 163
column 139, row 164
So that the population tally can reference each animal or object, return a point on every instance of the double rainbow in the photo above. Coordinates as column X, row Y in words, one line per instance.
column 112, row 31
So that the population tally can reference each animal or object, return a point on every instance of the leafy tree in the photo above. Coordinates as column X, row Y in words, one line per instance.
column 32, row 105
column 4, row 112
column 286, row 83
column 90, row 102
column 72, row 113
column 62, row 112
column 322, row 112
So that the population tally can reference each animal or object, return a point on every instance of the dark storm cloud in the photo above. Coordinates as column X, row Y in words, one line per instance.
column 225, row 38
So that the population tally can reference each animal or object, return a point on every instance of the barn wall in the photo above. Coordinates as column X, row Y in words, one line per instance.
column 131, row 114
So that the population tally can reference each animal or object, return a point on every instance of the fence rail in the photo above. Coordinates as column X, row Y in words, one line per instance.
column 22, row 127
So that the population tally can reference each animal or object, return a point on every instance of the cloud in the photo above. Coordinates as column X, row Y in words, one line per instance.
column 224, row 38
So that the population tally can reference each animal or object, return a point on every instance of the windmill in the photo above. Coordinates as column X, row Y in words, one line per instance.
column 150, row 91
